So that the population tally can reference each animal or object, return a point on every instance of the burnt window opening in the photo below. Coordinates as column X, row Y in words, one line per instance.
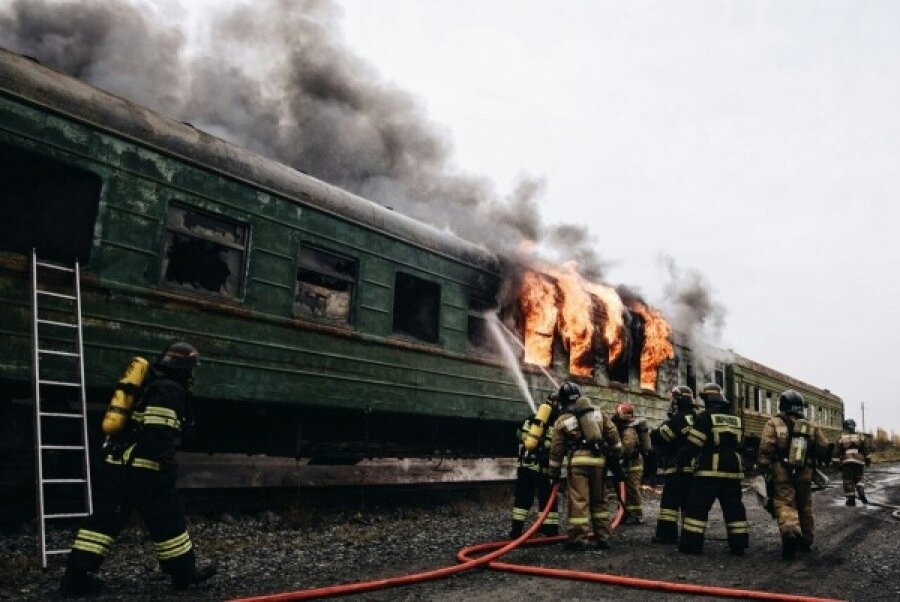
column 47, row 205
column 325, row 285
column 204, row 252
column 478, row 335
column 417, row 305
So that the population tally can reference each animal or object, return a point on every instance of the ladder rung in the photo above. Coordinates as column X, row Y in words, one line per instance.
column 60, row 295
column 54, row 352
column 55, row 323
column 67, row 515
column 58, row 383
column 60, row 415
column 53, row 266
column 62, row 447
column 62, row 481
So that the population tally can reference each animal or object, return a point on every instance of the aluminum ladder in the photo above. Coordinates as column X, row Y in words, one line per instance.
column 76, row 419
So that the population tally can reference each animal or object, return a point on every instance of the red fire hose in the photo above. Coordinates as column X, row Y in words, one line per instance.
column 499, row 548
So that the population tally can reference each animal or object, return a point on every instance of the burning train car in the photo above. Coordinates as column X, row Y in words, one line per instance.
column 342, row 342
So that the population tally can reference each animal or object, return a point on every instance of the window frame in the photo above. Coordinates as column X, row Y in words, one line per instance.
column 438, row 342
column 350, row 322
column 482, row 302
column 245, row 267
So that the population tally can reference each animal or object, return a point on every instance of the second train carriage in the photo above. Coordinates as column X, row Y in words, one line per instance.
column 332, row 329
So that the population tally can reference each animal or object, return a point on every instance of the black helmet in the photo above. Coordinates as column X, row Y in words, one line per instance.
column 682, row 398
column 850, row 425
column 179, row 357
column 711, row 394
column 568, row 394
column 791, row 402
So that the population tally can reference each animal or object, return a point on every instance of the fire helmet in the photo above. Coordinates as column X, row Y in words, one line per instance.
column 711, row 394
column 568, row 394
column 791, row 402
column 682, row 399
column 179, row 357
column 850, row 425
column 625, row 411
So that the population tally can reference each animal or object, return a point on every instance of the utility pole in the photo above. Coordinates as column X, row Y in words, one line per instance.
column 862, row 406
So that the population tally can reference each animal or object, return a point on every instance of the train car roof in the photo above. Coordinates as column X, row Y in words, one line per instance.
column 748, row 363
column 26, row 79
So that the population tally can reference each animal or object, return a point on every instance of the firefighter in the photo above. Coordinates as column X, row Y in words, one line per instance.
column 853, row 452
column 716, row 439
column 587, row 437
column 533, row 477
column 635, row 436
column 671, row 439
column 138, row 473
column 788, row 449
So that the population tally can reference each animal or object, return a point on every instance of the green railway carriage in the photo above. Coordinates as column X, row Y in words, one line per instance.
column 332, row 330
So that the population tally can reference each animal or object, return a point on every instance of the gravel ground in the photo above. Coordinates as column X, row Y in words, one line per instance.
column 856, row 556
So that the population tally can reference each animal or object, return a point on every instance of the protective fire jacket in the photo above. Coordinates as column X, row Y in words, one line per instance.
column 538, row 459
column 635, row 442
column 568, row 438
column 774, row 444
column 852, row 448
column 153, row 433
column 716, row 437
column 671, row 438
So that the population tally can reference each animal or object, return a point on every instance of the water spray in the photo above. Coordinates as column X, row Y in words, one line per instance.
column 521, row 345
column 509, row 357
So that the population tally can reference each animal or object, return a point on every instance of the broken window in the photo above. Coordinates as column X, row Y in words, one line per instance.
column 204, row 252
column 325, row 284
column 47, row 205
column 479, row 336
column 416, row 307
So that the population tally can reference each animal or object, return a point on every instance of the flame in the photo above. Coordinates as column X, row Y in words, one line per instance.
column 657, row 347
column 537, row 299
column 612, row 325
column 576, row 318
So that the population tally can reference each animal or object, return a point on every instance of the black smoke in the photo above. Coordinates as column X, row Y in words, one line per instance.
column 274, row 76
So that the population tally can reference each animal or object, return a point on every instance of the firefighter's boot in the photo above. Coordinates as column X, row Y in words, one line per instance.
column 79, row 583
column 788, row 546
column 851, row 500
column 861, row 492
column 198, row 575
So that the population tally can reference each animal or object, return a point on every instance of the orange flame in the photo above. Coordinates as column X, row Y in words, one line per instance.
column 537, row 298
column 575, row 322
column 657, row 347
column 612, row 326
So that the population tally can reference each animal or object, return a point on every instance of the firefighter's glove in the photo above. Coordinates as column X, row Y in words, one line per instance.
column 651, row 464
column 618, row 472
column 555, row 475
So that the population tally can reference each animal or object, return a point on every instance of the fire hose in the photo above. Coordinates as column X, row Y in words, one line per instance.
column 499, row 548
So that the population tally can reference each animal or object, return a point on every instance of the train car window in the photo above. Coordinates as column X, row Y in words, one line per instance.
column 47, row 205
column 479, row 337
column 417, row 305
column 758, row 400
column 325, row 285
column 204, row 252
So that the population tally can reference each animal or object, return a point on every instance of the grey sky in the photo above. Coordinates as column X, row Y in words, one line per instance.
column 756, row 142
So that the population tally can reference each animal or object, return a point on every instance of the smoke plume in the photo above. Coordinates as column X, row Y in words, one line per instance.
column 274, row 77
column 693, row 312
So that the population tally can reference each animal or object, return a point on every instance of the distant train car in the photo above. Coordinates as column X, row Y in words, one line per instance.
column 334, row 332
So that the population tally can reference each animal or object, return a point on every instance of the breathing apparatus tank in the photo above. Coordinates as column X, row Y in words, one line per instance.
column 124, row 396
column 538, row 425
column 589, row 420
column 799, row 446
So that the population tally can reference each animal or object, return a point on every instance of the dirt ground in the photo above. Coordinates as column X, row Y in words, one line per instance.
column 856, row 557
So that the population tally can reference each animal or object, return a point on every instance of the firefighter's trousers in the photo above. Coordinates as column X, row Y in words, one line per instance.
column 635, row 474
column 852, row 474
column 792, row 503
column 528, row 483
column 703, row 493
column 674, row 496
column 119, row 490
column 587, row 502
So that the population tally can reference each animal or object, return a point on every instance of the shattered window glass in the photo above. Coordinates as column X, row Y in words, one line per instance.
column 204, row 252
column 478, row 335
column 416, row 307
column 325, row 285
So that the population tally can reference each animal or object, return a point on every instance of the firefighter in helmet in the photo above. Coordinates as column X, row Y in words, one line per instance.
column 533, row 472
column 716, row 438
column 671, row 439
column 138, row 473
column 589, row 439
column 853, row 453
column 788, row 449
column 635, row 436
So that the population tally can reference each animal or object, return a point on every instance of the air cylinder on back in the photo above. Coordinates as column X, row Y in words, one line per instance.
column 589, row 420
